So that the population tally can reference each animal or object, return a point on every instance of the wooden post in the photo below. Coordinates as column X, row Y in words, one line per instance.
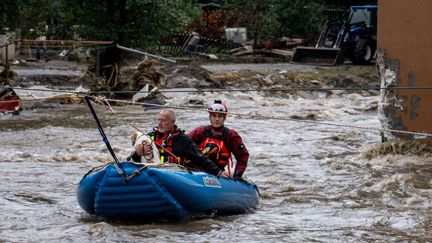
column 7, row 62
column 97, row 61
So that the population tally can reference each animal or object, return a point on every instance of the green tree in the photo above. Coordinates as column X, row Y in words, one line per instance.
column 26, row 17
column 135, row 23
column 141, row 23
column 300, row 18
column 8, row 15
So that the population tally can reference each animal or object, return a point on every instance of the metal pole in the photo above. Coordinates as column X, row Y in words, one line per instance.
column 145, row 54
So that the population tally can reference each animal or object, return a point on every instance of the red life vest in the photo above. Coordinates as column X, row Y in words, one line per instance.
column 164, row 143
column 214, row 147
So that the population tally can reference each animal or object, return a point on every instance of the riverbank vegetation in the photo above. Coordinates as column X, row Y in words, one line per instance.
column 141, row 24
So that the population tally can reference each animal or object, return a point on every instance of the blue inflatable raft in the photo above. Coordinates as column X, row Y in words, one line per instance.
column 154, row 193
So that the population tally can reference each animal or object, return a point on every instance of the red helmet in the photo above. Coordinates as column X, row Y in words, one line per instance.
column 218, row 107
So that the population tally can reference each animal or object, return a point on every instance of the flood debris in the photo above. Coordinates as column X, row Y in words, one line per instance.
column 42, row 105
column 10, row 102
column 151, row 98
column 194, row 43
column 402, row 147
column 189, row 76
column 41, row 97
column 147, row 74
column 7, row 77
column 141, row 81
column 210, row 48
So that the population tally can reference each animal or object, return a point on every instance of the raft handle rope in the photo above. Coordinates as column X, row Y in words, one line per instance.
column 146, row 166
column 117, row 164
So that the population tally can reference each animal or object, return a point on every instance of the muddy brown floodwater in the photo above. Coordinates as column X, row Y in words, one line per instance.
column 318, row 183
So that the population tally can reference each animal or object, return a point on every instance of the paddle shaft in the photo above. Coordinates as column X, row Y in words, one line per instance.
column 117, row 164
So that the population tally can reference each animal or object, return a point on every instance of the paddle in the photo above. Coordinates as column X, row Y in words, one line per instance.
column 117, row 164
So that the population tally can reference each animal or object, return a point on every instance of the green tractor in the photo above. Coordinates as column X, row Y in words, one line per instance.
column 353, row 38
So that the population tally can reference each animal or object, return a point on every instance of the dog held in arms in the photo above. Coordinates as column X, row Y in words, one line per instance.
column 139, row 138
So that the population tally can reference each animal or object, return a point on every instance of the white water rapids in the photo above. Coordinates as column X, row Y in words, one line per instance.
column 315, row 182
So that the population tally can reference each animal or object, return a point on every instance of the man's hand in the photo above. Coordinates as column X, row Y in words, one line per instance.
column 143, row 149
column 224, row 174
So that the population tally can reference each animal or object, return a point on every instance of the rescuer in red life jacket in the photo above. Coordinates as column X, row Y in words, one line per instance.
column 175, row 146
column 218, row 142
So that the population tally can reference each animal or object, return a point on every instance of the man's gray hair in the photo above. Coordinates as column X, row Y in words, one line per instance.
column 171, row 114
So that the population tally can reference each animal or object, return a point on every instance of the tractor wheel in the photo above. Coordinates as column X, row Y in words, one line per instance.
column 363, row 52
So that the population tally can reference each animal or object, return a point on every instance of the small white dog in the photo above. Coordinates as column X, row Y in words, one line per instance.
column 139, row 138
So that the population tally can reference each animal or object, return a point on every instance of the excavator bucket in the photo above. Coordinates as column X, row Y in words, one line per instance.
column 317, row 55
